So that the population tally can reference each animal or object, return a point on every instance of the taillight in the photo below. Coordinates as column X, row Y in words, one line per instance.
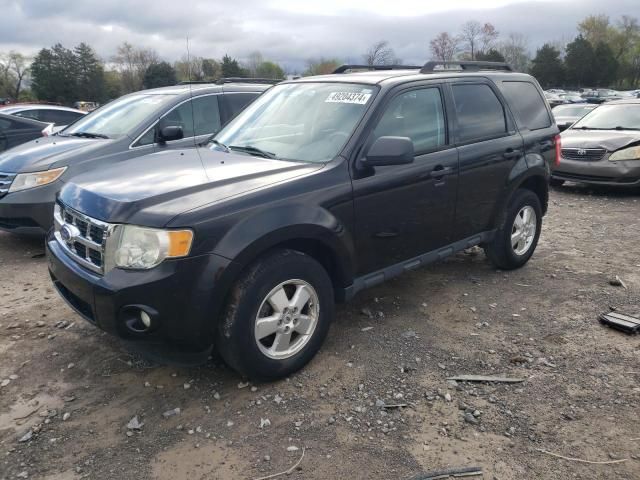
column 558, row 141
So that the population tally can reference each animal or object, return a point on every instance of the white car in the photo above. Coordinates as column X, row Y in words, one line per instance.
column 58, row 116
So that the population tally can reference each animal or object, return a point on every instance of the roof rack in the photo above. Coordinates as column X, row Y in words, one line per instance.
column 223, row 80
column 273, row 81
column 467, row 66
column 346, row 67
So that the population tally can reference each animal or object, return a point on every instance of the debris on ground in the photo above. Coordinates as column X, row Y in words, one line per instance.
column 621, row 321
column 485, row 378
column 617, row 282
column 450, row 473
column 135, row 424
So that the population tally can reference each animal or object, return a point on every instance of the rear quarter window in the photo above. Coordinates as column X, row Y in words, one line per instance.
column 527, row 105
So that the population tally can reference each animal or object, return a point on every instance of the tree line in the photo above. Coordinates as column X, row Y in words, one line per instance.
column 604, row 54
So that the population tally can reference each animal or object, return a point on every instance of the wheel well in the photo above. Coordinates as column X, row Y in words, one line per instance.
column 540, row 187
column 321, row 253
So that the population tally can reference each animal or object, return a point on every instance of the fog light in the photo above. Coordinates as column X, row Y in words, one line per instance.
column 145, row 318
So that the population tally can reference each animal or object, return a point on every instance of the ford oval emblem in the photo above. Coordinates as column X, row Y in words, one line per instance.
column 69, row 233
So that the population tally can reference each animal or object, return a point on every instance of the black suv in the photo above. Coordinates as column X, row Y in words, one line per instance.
column 322, row 187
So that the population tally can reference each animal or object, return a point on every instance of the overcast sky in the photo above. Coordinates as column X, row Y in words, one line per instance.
column 287, row 31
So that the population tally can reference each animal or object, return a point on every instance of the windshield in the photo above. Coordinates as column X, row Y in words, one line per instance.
column 119, row 117
column 298, row 121
column 572, row 111
column 612, row 117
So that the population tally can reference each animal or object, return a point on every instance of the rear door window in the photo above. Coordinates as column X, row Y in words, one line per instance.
column 206, row 115
column 235, row 102
column 527, row 105
column 417, row 114
column 480, row 113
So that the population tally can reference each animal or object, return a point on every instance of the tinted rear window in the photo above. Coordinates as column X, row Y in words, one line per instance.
column 480, row 113
column 527, row 105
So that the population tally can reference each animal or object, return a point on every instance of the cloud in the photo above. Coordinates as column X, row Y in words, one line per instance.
column 287, row 31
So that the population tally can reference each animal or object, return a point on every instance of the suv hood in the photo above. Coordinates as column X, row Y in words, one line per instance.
column 41, row 154
column 611, row 140
column 153, row 189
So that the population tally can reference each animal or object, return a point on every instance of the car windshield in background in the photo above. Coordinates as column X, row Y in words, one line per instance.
column 302, row 121
column 572, row 111
column 611, row 117
column 117, row 118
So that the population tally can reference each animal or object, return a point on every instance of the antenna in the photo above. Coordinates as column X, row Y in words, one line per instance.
column 193, row 117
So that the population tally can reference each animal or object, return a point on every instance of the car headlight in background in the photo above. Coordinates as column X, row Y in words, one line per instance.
column 142, row 248
column 23, row 181
column 632, row 153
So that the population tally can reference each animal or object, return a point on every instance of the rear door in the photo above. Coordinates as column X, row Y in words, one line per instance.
column 403, row 211
column 533, row 118
column 489, row 147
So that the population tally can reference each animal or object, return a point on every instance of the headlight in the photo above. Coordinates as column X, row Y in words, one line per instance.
column 24, row 181
column 632, row 153
column 142, row 248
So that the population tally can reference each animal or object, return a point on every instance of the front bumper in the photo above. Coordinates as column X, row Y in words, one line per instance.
column 29, row 212
column 183, row 296
column 601, row 172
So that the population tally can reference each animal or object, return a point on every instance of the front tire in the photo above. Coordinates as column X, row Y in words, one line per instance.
column 517, row 236
column 278, row 316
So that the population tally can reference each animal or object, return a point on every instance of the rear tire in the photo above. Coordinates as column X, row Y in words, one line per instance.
column 517, row 236
column 556, row 182
column 277, row 317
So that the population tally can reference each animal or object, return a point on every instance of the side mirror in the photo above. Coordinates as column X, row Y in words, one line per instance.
column 389, row 151
column 169, row 133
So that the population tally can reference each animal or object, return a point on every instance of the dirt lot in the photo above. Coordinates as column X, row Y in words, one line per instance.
column 76, row 389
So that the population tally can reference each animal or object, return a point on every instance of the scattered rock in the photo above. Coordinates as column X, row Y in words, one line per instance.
column 469, row 418
column 265, row 422
column 135, row 424
column 66, row 416
column 171, row 413
column 292, row 448
column 26, row 437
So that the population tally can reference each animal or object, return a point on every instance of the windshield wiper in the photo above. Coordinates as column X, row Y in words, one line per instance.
column 220, row 144
column 625, row 128
column 250, row 149
column 589, row 128
column 88, row 135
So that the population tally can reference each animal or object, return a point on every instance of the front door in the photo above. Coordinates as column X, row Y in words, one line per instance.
column 402, row 211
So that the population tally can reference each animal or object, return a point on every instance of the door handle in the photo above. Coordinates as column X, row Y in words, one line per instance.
column 440, row 171
column 512, row 153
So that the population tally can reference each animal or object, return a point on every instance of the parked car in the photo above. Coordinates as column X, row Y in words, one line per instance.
column 567, row 115
column 56, row 115
column 15, row 131
column 554, row 99
column 572, row 97
column 139, row 123
column 601, row 95
column 322, row 187
column 603, row 148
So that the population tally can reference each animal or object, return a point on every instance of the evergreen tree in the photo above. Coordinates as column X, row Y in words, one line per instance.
column 605, row 65
column 90, row 78
column 579, row 63
column 159, row 75
column 491, row 55
column 547, row 67
column 269, row 70
column 231, row 68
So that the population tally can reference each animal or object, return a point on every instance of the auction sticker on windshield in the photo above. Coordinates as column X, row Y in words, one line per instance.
column 348, row 97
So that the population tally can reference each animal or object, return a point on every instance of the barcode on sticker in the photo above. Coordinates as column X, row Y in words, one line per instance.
column 348, row 97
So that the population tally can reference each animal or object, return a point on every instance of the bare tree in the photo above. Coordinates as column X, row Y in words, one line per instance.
column 488, row 37
column 132, row 63
column 380, row 53
column 471, row 34
column 515, row 50
column 444, row 47
column 254, row 60
column 14, row 69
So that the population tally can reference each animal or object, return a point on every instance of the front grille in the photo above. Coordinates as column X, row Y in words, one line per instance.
column 5, row 182
column 87, row 246
column 584, row 154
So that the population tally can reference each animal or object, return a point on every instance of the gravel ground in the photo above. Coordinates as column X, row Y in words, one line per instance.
column 69, row 393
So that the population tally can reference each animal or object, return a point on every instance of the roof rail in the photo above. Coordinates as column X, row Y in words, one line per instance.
column 467, row 66
column 346, row 67
column 222, row 80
